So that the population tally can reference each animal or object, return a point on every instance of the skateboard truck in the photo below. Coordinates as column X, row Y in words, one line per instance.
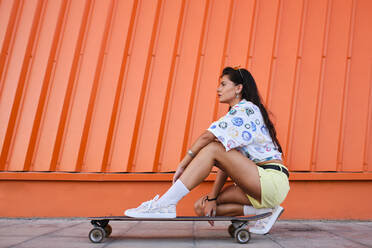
column 101, row 230
column 100, row 223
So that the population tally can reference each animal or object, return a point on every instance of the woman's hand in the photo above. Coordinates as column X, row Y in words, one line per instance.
column 178, row 173
column 210, row 208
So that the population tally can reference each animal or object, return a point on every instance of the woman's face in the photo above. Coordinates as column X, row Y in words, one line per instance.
column 227, row 90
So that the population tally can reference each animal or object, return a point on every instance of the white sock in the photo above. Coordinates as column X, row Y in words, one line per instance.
column 249, row 210
column 174, row 194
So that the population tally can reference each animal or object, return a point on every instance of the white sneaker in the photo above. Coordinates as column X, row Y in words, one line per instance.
column 150, row 209
column 144, row 205
column 263, row 226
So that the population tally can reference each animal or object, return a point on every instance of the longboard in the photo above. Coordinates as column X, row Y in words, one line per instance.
column 101, row 228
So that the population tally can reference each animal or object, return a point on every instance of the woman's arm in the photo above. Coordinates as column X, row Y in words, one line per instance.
column 218, row 184
column 210, row 207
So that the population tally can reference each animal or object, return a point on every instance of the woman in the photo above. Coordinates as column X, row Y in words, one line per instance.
column 244, row 146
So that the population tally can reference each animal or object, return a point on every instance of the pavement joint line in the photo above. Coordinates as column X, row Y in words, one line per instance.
column 44, row 234
column 272, row 239
column 340, row 236
column 133, row 226
column 111, row 240
column 193, row 235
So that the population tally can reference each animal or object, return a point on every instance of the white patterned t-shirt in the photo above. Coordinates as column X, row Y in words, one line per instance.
column 243, row 129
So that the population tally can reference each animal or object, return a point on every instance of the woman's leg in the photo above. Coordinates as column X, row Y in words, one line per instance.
column 230, row 202
column 233, row 194
column 241, row 170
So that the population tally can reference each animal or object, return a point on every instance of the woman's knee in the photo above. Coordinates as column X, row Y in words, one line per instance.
column 213, row 147
column 198, row 208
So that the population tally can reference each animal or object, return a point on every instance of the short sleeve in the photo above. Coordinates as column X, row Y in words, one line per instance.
column 234, row 129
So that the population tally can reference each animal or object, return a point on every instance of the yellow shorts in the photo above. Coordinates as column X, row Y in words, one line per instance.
column 274, row 188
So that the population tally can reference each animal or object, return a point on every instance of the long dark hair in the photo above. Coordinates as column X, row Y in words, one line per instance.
column 250, row 93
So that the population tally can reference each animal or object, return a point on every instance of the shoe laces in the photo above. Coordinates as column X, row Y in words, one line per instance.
column 261, row 224
column 148, row 204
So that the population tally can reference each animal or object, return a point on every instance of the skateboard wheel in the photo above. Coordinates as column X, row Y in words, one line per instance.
column 97, row 234
column 108, row 230
column 242, row 235
column 231, row 230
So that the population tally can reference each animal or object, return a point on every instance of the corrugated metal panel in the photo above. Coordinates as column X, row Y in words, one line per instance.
column 127, row 86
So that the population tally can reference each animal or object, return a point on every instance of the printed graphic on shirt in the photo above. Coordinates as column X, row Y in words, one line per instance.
column 232, row 112
column 264, row 130
column 249, row 111
column 260, row 139
column 267, row 148
column 223, row 125
column 231, row 144
column 253, row 126
column 233, row 132
column 237, row 121
column 246, row 136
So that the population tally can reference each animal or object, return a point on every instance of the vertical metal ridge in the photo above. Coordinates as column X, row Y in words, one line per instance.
column 21, row 85
column 159, row 143
column 224, row 55
column 296, row 82
column 69, row 90
column 120, row 85
column 93, row 94
column 133, row 146
column 252, row 35
column 7, row 39
column 367, row 141
column 320, row 89
column 45, row 87
column 341, row 137
column 274, row 55
column 232, row 14
column 195, row 79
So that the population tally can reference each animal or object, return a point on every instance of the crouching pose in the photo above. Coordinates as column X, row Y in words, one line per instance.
column 243, row 145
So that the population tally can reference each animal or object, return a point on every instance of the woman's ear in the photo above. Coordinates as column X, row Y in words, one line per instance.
column 239, row 88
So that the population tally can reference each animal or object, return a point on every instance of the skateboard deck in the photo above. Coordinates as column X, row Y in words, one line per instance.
column 237, row 229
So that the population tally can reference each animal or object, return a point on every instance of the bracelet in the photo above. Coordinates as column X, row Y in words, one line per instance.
column 191, row 153
column 213, row 199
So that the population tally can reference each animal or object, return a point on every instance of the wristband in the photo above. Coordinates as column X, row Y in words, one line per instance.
column 213, row 199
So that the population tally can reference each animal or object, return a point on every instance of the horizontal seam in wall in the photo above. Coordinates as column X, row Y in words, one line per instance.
column 149, row 177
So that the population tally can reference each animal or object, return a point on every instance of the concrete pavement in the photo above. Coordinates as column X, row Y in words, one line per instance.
column 39, row 233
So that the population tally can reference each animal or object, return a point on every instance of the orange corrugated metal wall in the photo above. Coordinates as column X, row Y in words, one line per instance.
column 127, row 86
